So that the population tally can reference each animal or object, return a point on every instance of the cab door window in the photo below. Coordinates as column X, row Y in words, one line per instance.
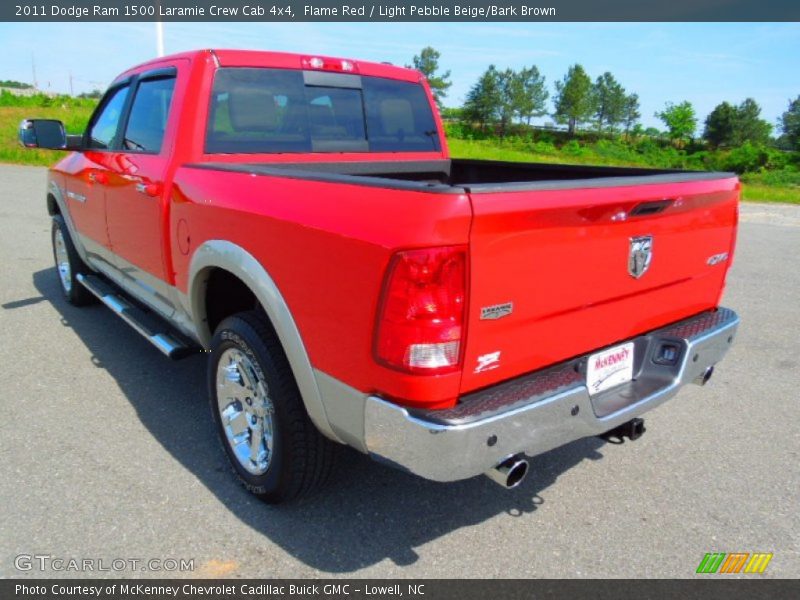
column 147, row 122
column 104, row 125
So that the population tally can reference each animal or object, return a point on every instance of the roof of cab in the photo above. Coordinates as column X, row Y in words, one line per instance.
column 283, row 60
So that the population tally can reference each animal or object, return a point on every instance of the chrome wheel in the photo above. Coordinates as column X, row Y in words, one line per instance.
column 62, row 261
column 246, row 410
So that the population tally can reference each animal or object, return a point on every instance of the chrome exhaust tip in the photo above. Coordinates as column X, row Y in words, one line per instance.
column 703, row 379
column 509, row 473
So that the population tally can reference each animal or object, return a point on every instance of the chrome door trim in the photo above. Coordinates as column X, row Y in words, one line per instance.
column 76, row 196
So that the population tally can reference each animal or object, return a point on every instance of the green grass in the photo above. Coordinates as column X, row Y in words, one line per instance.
column 754, row 192
column 772, row 186
column 775, row 186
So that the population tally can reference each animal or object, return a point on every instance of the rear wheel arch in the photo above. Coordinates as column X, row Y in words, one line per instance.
column 224, row 295
column 217, row 263
column 56, row 205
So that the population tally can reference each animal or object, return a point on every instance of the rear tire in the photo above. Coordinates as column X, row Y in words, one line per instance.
column 68, row 264
column 273, row 447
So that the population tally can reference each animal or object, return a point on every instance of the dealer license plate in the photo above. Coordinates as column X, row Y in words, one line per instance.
column 609, row 368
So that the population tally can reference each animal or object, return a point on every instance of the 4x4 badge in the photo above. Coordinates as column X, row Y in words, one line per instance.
column 640, row 255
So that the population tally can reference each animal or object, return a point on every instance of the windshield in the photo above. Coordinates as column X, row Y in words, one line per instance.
column 278, row 110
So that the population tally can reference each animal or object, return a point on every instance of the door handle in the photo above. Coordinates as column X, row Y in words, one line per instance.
column 148, row 189
column 96, row 177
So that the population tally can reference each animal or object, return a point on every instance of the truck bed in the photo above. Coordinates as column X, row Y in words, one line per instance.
column 466, row 175
column 550, row 246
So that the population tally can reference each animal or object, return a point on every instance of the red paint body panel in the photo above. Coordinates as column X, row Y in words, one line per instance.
column 284, row 60
column 558, row 255
column 77, row 170
column 136, row 221
column 561, row 258
column 327, row 246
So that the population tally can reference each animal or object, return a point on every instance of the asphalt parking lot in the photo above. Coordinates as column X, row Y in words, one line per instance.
column 108, row 452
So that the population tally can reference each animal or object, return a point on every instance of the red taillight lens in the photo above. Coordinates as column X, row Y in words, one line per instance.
column 421, row 319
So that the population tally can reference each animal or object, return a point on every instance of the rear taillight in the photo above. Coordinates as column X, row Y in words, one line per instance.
column 421, row 316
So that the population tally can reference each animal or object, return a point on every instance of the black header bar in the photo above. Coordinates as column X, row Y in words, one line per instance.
column 708, row 587
column 474, row 11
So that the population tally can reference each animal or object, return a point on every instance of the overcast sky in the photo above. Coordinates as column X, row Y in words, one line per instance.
column 700, row 62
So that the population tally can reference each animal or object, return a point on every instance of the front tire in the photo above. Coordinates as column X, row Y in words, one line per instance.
column 273, row 447
column 68, row 264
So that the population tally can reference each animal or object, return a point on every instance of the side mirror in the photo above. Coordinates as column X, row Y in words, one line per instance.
column 44, row 133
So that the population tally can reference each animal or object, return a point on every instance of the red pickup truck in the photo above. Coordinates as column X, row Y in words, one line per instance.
column 299, row 219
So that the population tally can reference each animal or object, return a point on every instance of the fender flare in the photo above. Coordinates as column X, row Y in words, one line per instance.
column 54, row 191
column 221, row 254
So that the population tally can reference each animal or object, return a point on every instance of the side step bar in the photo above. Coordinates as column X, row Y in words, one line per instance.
column 153, row 328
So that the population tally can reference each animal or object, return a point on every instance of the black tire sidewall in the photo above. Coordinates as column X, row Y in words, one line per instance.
column 75, row 295
column 236, row 332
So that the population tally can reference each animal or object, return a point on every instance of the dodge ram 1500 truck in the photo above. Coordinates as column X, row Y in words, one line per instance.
column 299, row 219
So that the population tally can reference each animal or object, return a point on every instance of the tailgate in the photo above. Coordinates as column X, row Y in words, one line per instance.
column 556, row 273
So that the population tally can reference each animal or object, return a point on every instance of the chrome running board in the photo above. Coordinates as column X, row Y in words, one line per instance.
column 152, row 327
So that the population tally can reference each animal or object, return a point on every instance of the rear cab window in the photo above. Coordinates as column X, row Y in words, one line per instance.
column 262, row 110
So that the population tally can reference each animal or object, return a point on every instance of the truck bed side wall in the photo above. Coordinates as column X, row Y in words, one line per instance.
column 326, row 246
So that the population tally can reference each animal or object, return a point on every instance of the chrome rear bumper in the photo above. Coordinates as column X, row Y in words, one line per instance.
column 541, row 411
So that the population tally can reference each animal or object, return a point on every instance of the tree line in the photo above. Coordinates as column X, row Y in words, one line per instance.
column 602, row 104
column 18, row 85
column 502, row 97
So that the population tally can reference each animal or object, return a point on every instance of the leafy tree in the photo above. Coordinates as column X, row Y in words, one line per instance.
column 729, row 125
column 94, row 94
column 451, row 113
column 529, row 94
column 720, row 125
column 10, row 83
column 790, row 124
column 608, row 97
column 507, row 82
column 680, row 119
column 637, row 130
column 631, row 114
column 502, row 96
column 573, row 100
column 750, row 127
column 522, row 95
column 484, row 99
column 427, row 63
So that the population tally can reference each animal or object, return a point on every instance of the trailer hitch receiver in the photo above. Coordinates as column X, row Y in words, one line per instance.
column 633, row 430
